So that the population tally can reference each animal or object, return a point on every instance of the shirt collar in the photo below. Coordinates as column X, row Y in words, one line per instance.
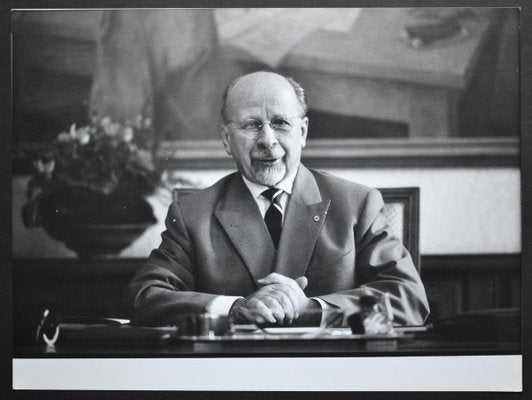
column 256, row 189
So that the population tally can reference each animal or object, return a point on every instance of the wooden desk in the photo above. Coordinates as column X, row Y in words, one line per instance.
column 371, row 72
column 419, row 345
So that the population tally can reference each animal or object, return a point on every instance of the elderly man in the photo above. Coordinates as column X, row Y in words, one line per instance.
column 275, row 240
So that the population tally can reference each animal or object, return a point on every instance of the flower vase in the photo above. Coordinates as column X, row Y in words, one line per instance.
column 94, row 225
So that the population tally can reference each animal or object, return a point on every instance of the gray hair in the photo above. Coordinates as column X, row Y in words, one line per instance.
column 298, row 91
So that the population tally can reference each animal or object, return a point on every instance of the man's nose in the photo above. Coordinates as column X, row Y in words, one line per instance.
column 267, row 137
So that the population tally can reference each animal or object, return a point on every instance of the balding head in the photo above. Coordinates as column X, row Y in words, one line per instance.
column 262, row 81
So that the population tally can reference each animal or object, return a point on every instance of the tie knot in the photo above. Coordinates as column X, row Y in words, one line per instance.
column 272, row 194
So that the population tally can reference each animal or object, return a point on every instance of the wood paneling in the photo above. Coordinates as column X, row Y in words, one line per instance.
column 460, row 283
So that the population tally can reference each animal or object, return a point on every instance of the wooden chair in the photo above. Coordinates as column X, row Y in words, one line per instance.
column 401, row 208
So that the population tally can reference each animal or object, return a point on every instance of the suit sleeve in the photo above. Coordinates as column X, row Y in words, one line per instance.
column 162, row 290
column 383, row 265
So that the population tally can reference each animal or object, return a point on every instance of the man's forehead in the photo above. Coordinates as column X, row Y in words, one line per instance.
column 259, row 107
column 267, row 103
column 263, row 93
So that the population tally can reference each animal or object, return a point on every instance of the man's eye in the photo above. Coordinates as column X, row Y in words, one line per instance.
column 251, row 126
column 280, row 123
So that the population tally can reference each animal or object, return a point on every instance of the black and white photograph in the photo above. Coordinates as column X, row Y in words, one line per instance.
column 199, row 194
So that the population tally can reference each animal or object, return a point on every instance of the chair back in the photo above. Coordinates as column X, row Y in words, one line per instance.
column 401, row 208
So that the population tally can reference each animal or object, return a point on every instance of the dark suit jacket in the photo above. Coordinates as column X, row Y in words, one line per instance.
column 216, row 243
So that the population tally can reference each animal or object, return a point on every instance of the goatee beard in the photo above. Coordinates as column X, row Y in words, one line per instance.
column 269, row 175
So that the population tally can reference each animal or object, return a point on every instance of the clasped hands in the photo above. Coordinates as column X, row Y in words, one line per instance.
column 279, row 301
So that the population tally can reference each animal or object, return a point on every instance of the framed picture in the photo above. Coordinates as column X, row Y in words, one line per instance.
column 422, row 99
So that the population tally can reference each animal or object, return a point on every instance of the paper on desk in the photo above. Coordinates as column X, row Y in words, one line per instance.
column 293, row 330
column 269, row 34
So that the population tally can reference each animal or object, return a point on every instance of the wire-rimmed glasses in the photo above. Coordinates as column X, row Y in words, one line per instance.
column 251, row 127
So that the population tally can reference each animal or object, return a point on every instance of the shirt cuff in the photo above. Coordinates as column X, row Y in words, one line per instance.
column 324, row 307
column 221, row 305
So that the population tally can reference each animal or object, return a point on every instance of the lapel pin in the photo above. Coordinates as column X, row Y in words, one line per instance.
column 316, row 218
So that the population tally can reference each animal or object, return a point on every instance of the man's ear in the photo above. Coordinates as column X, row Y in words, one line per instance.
column 225, row 139
column 304, row 131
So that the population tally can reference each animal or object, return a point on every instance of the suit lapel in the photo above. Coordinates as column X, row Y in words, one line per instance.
column 241, row 219
column 305, row 215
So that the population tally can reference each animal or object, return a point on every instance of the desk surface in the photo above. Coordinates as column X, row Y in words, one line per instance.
column 415, row 345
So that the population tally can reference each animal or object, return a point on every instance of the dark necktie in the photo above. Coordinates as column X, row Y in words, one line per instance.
column 274, row 215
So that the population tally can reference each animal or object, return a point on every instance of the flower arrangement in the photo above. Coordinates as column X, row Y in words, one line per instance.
column 97, row 173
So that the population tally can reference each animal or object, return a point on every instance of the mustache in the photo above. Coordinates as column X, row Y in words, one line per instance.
column 267, row 155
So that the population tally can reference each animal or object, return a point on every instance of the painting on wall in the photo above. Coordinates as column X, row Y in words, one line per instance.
column 410, row 82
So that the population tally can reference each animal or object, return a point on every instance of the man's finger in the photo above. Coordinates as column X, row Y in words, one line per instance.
column 302, row 281
column 275, row 307
column 275, row 277
column 286, row 302
column 295, row 295
column 253, row 310
column 264, row 311
column 292, row 288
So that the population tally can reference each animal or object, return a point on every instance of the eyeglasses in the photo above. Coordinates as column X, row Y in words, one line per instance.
column 252, row 127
